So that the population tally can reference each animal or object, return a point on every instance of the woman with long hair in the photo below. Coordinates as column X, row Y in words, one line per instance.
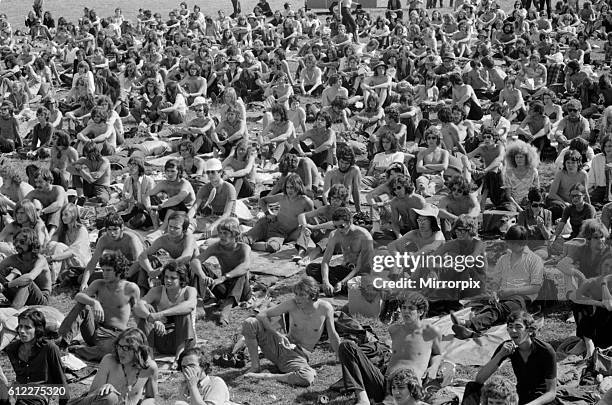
column 69, row 246
column 62, row 155
column 521, row 172
column 26, row 217
column 559, row 196
column 126, row 376
column 193, row 85
column 240, row 167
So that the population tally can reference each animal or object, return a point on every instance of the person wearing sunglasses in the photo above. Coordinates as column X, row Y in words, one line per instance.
column 403, row 205
column 573, row 125
column 492, row 153
column 357, row 251
column 431, row 164
column 127, row 375
column 538, row 222
column 559, row 195
column 459, row 201
column 200, row 131
column 576, row 213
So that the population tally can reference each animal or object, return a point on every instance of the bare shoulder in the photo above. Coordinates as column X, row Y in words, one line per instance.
column 324, row 307
column 430, row 332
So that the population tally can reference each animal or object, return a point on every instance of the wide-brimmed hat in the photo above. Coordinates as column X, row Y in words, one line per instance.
column 379, row 64
column 214, row 164
column 199, row 100
column 449, row 55
column 428, row 211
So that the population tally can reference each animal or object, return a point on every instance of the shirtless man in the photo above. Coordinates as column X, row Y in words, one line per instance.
column 403, row 217
column 52, row 198
column 181, row 246
column 308, row 317
column 431, row 164
column 271, row 231
column 459, row 201
column 102, row 312
column 414, row 345
column 167, row 314
column 347, row 174
column 115, row 239
column 357, row 251
column 395, row 127
column 99, row 132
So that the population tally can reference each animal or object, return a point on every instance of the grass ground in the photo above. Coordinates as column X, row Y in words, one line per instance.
column 323, row 360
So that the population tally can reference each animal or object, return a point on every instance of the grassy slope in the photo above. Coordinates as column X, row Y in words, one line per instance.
column 323, row 360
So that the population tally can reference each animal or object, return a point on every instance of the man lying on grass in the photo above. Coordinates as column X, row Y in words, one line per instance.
column 308, row 316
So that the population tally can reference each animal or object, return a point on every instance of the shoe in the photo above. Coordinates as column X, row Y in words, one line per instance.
column 463, row 332
column 296, row 258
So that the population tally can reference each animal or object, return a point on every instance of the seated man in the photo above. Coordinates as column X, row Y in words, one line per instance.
column 52, row 198
column 303, row 167
column 308, row 316
column 181, row 246
column 25, row 276
column 520, row 273
column 415, row 345
column 116, row 238
column 459, row 201
column 431, row 164
column 534, row 363
column 357, row 251
column 102, row 312
column 99, row 132
column 91, row 175
column 347, row 173
column 215, row 201
column 167, row 314
column 234, row 259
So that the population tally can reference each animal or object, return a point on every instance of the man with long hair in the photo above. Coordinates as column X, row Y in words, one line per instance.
column 102, row 312
column 25, row 277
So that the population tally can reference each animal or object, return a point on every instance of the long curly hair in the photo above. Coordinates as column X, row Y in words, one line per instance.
column 532, row 158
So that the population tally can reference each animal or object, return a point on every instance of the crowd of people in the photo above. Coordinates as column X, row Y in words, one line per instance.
column 405, row 131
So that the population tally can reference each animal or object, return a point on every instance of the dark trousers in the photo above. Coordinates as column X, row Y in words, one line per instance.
column 349, row 22
column 336, row 273
column 358, row 372
column 593, row 323
column 237, row 288
column 497, row 312
column 179, row 331
column 471, row 395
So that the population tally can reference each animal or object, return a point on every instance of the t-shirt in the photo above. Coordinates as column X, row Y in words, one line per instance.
column 383, row 160
column 224, row 194
column 577, row 217
column 531, row 376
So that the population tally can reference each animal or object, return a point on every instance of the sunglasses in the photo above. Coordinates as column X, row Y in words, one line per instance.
column 575, row 195
column 537, row 205
column 211, row 171
column 340, row 226
column 398, row 188
column 432, row 137
column 572, row 110
column 574, row 160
